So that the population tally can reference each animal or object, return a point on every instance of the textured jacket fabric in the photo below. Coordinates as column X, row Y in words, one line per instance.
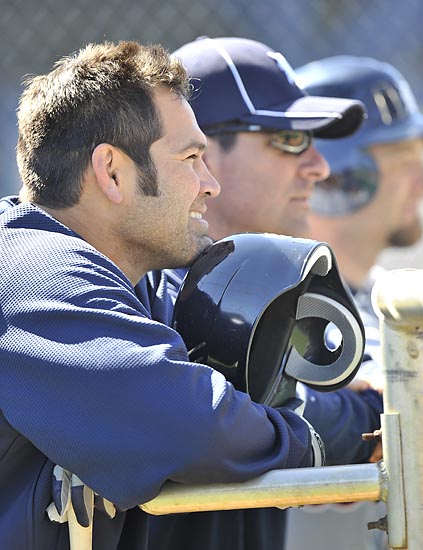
column 92, row 379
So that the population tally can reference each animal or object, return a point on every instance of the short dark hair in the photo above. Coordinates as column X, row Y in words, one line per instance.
column 101, row 94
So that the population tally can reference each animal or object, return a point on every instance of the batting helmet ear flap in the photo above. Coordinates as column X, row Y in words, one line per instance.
column 312, row 360
column 352, row 184
column 259, row 314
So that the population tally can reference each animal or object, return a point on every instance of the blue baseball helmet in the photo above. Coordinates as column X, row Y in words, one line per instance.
column 392, row 115
column 256, row 307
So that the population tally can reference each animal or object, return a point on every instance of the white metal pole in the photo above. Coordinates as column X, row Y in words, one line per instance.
column 398, row 299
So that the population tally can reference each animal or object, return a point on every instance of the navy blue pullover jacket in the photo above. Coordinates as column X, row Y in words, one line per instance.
column 92, row 379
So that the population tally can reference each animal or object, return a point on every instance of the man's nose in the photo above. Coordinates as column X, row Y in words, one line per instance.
column 314, row 165
column 208, row 183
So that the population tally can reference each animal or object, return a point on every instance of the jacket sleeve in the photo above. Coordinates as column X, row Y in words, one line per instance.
column 108, row 393
column 340, row 418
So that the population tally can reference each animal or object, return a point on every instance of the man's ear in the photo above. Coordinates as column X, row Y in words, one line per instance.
column 106, row 160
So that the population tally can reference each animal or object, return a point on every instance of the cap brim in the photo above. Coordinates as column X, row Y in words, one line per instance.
column 332, row 117
column 326, row 117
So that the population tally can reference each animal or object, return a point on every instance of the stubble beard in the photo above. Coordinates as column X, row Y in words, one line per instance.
column 188, row 257
column 173, row 257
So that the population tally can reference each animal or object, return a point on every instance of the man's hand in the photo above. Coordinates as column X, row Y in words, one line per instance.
column 364, row 383
column 369, row 377
column 377, row 451
column 377, row 454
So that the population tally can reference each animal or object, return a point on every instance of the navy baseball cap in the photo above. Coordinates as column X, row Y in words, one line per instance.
column 237, row 79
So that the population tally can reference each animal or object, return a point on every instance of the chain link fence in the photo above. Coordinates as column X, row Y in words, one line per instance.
column 36, row 33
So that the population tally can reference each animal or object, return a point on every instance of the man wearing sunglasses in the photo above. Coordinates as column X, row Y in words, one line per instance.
column 260, row 127
column 264, row 189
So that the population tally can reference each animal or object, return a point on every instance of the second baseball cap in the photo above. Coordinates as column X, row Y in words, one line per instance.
column 237, row 79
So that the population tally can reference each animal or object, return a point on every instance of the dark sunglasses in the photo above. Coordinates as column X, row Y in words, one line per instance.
column 288, row 141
